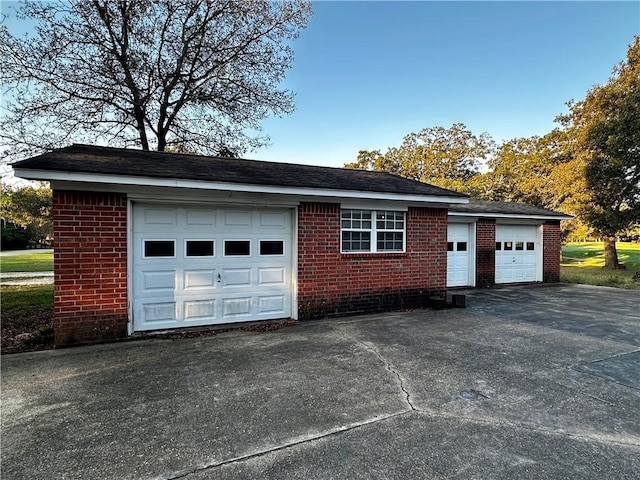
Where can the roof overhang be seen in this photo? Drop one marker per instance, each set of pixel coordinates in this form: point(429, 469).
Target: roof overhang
point(130, 181)
point(510, 216)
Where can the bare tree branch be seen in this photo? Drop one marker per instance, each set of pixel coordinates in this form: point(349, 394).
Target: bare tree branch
point(198, 74)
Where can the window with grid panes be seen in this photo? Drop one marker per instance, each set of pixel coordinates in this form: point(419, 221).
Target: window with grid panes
point(372, 231)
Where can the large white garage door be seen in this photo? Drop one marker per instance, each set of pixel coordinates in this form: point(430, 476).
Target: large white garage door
point(200, 266)
point(458, 255)
point(516, 253)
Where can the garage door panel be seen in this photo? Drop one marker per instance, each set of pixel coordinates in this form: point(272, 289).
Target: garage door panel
point(234, 307)
point(272, 220)
point(238, 219)
point(163, 280)
point(198, 284)
point(200, 218)
point(159, 312)
point(271, 276)
point(160, 216)
point(198, 279)
point(236, 277)
point(199, 309)
point(268, 304)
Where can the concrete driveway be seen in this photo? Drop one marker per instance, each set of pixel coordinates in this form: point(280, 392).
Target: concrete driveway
point(534, 382)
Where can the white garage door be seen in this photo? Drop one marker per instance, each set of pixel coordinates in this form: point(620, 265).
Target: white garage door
point(200, 266)
point(458, 255)
point(516, 253)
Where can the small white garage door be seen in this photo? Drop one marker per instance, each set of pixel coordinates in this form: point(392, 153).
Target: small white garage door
point(517, 251)
point(201, 266)
point(458, 255)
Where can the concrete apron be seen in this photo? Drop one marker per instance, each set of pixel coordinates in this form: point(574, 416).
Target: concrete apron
point(521, 384)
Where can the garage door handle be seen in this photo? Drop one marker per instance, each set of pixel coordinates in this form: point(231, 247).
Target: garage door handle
point(219, 280)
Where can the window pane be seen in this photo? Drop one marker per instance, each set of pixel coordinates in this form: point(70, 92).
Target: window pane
point(356, 241)
point(271, 247)
point(159, 248)
point(237, 248)
point(449, 246)
point(530, 246)
point(498, 245)
point(508, 245)
point(519, 245)
point(462, 246)
point(355, 219)
point(199, 248)
point(389, 241)
point(390, 220)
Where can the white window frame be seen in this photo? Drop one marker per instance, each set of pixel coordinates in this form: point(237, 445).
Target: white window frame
point(186, 240)
point(224, 247)
point(284, 247)
point(373, 230)
point(154, 257)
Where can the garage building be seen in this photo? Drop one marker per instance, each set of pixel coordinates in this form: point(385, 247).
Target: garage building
point(153, 240)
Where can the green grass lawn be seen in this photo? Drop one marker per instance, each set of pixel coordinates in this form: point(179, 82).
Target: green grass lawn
point(27, 317)
point(583, 262)
point(26, 297)
point(28, 262)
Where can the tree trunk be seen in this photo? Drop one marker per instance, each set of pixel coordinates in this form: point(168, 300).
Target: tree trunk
point(139, 114)
point(610, 253)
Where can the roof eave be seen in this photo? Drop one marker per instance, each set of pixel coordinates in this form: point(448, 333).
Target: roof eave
point(524, 216)
point(128, 180)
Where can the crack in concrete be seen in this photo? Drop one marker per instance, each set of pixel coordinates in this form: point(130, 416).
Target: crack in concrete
point(600, 438)
point(337, 431)
point(369, 347)
point(578, 368)
point(605, 439)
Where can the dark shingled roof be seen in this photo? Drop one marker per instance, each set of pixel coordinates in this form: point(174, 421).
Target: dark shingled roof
point(476, 207)
point(138, 163)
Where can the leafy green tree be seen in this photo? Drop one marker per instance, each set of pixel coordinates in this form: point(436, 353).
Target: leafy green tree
point(446, 157)
point(371, 160)
point(31, 209)
point(198, 74)
point(523, 171)
point(606, 128)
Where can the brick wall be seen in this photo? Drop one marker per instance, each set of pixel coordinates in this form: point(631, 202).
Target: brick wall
point(485, 252)
point(90, 266)
point(552, 244)
point(332, 284)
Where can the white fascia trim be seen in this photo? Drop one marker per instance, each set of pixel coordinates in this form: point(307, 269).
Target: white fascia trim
point(368, 205)
point(508, 215)
point(229, 187)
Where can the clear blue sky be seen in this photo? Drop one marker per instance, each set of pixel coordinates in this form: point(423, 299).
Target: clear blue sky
point(368, 73)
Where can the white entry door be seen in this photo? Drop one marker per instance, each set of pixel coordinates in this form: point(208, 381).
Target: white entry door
point(517, 253)
point(459, 255)
point(200, 266)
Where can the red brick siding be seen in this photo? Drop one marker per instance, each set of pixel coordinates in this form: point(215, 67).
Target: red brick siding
point(485, 252)
point(331, 283)
point(552, 244)
point(90, 266)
